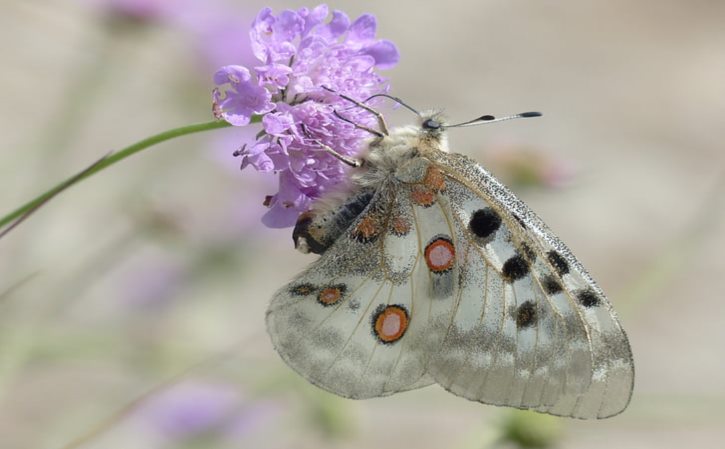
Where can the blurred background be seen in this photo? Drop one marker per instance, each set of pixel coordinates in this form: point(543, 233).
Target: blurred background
point(132, 306)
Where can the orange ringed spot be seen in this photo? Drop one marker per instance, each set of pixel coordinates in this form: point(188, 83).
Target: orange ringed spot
point(434, 179)
point(331, 295)
point(401, 226)
point(422, 195)
point(390, 323)
point(366, 230)
point(440, 255)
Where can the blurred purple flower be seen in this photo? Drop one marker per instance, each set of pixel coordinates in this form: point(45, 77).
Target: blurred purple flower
point(520, 165)
point(215, 29)
point(220, 37)
point(154, 282)
point(304, 55)
point(191, 408)
point(141, 11)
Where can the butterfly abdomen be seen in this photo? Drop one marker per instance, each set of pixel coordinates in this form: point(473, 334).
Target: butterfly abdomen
point(317, 229)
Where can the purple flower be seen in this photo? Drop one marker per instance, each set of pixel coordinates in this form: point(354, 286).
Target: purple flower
point(244, 98)
point(192, 408)
point(309, 57)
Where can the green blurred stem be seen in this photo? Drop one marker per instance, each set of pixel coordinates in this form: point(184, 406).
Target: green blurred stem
point(110, 160)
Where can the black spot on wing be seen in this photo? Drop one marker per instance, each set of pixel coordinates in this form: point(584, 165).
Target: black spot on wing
point(515, 268)
point(551, 284)
point(484, 222)
point(526, 315)
point(558, 262)
point(588, 298)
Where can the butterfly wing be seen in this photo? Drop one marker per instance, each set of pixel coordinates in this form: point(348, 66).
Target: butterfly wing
point(530, 328)
point(446, 276)
point(359, 321)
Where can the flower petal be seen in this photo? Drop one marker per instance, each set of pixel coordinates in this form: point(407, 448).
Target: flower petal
point(233, 74)
point(385, 53)
point(242, 99)
point(363, 28)
point(338, 25)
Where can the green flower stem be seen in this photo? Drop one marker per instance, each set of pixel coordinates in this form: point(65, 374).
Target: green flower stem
point(30, 206)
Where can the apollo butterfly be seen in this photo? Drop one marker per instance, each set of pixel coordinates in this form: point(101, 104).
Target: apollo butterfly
point(432, 271)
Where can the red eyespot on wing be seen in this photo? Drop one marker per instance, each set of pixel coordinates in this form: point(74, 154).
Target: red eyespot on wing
point(440, 255)
point(331, 295)
point(390, 323)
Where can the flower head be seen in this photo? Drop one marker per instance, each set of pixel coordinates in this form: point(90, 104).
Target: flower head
point(309, 57)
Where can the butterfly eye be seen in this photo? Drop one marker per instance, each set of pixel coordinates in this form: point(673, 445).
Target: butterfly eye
point(431, 124)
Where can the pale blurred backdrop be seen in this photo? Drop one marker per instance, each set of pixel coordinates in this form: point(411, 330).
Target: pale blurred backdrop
point(132, 306)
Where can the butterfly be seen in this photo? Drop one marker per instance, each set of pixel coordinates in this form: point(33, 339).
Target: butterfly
point(432, 271)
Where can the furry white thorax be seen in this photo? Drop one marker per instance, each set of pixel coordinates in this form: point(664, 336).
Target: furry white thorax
point(384, 155)
point(381, 158)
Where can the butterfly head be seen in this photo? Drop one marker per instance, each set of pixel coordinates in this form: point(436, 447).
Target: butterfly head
point(432, 123)
point(432, 128)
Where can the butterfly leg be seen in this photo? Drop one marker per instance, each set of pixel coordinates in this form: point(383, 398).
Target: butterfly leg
point(341, 157)
point(344, 159)
point(381, 120)
point(358, 126)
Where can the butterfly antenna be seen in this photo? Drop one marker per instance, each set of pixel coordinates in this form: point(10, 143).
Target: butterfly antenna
point(395, 99)
point(485, 119)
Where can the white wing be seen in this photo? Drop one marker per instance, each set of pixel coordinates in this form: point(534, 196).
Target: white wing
point(530, 328)
point(446, 276)
point(359, 322)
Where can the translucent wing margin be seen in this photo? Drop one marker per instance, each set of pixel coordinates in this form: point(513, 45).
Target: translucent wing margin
point(530, 328)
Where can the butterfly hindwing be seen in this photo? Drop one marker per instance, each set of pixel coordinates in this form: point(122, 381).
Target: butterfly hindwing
point(358, 321)
point(531, 329)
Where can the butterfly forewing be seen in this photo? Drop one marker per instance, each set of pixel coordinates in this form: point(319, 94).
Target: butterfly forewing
point(551, 341)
